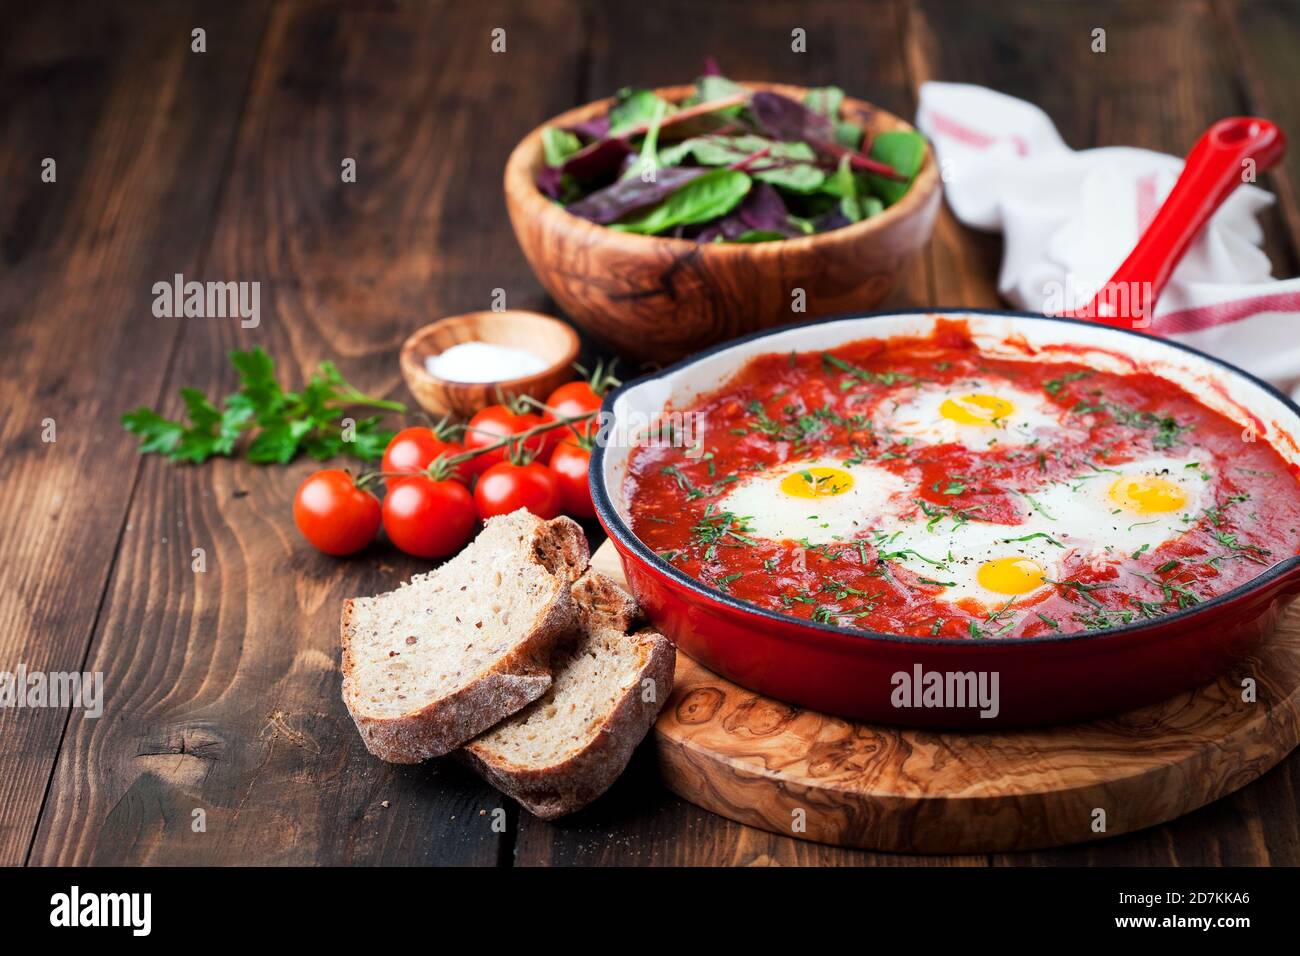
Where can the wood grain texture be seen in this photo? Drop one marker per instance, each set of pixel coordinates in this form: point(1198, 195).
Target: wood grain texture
point(1263, 39)
point(663, 298)
point(140, 129)
point(219, 692)
point(797, 772)
point(223, 687)
point(638, 822)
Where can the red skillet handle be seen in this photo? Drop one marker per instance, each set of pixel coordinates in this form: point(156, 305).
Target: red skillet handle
point(1214, 168)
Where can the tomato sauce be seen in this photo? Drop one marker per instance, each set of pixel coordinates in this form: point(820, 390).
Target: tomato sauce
point(845, 405)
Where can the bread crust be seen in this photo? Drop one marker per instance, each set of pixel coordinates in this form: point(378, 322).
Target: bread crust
point(557, 789)
point(441, 726)
point(512, 682)
point(561, 548)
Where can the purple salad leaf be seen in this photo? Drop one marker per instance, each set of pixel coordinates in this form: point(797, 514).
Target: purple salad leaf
point(591, 130)
point(785, 119)
point(831, 220)
point(711, 67)
point(763, 210)
point(549, 181)
point(600, 160)
point(615, 201)
point(724, 229)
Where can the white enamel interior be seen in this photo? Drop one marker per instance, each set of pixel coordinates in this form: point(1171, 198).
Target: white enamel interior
point(1232, 395)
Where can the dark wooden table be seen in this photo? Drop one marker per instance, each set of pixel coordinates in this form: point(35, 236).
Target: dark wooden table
point(222, 687)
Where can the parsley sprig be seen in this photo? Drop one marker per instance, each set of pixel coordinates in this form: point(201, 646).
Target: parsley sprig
point(287, 423)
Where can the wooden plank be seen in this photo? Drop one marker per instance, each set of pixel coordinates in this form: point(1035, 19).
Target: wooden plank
point(1264, 39)
point(223, 689)
point(639, 823)
point(225, 684)
point(660, 44)
point(1256, 826)
point(140, 128)
point(1166, 75)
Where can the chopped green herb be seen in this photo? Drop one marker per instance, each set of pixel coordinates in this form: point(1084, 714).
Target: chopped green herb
point(310, 420)
point(1053, 386)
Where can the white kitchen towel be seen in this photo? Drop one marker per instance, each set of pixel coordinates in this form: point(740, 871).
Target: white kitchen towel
point(1070, 218)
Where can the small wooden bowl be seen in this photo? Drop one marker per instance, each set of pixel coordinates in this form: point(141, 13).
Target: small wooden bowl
point(550, 339)
point(661, 299)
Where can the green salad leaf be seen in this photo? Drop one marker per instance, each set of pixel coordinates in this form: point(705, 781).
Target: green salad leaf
point(734, 164)
point(635, 108)
point(558, 145)
point(706, 197)
point(905, 151)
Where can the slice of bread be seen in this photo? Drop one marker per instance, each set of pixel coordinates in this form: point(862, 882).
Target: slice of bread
point(452, 652)
point(563, 751)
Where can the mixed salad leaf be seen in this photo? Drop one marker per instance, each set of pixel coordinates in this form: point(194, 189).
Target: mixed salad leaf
point(727, 164)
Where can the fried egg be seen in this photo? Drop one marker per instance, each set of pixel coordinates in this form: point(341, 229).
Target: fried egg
point(976, 413)
point(979, 565)
point(1121, 509)
point(1135, 505)
point(819, 501)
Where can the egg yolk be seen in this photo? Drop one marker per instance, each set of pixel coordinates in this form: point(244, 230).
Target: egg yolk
point(976, 409)
point(817, 483)
point(1010, 575)
point(1147, 494)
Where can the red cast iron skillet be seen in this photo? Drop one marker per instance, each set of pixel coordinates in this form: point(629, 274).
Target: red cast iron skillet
point(1040, 680)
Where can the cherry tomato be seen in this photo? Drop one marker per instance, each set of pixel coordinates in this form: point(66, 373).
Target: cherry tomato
point(412, 450)
point(427, 518)
point(570, 401)
point(334, 514)
point(507, 487)
point(570, 462)
point(494, 423)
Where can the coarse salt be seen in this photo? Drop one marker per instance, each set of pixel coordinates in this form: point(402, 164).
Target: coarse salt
point(483, 362)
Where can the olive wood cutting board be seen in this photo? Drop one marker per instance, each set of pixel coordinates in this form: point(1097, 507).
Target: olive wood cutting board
point(797, 772)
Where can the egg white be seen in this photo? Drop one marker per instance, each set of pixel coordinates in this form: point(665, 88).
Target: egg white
point(1084, 504)
point(925, 417)
point(772, 514)
point(950, 553)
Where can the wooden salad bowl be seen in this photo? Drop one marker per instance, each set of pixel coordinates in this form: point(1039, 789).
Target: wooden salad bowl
point(660, 299)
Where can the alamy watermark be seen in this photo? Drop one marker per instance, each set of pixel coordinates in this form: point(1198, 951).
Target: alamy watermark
point(23, 689)
point(76, 909)
point(946, 690)
point(1132, 300)
point(662, 429)
point(208, 300)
